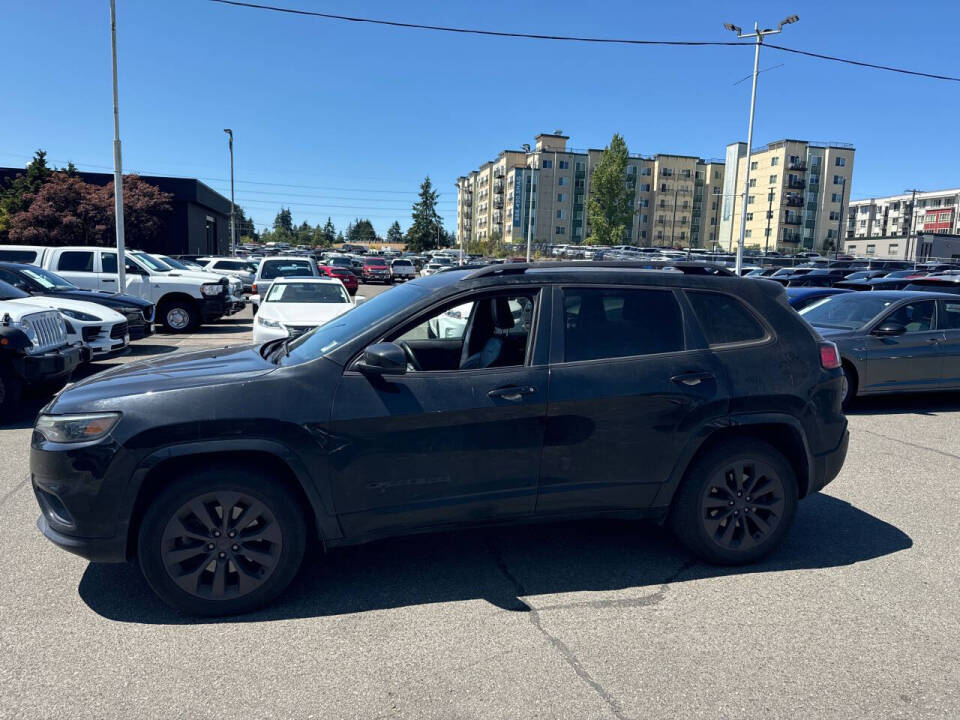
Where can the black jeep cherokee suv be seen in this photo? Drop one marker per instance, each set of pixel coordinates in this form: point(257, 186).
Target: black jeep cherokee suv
point(511, 392)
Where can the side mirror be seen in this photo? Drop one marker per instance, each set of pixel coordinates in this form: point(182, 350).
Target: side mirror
point(359, 299)
point(890, 329)
point(384, 358)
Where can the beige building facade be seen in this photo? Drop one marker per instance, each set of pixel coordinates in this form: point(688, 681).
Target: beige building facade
point(798, 195)
point(542, 192)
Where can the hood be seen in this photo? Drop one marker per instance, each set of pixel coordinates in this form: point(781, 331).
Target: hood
point(837, 333)
point(216, 366)
point(20, 307)
point(111, 300)
point(208, 277)
point(303, 313)
point(62, 303)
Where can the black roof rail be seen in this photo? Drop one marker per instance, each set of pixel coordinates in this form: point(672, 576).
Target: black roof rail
point(688, 268)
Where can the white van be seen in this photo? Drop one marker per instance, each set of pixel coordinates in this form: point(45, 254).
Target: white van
point(183, 299)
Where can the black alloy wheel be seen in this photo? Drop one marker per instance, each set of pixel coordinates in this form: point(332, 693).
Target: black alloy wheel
point(736, 502)
point(221, 541)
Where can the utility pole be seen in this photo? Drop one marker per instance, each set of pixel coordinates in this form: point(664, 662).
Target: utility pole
point(530, 214)
point(766, 245)
point(843, 186)
point(759, 35)
point(673, 224)
point(233, 221)
point(117, 159)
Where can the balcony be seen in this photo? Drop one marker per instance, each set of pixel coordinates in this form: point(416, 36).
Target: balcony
point(793, 201)
point(799, 166)
point(796, 184)
point(792, 219)
point(498, 186)
point(498, 202)
point(791, 236)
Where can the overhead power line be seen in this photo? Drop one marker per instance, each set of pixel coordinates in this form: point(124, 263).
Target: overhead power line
point(573, 38)
point(474, 31)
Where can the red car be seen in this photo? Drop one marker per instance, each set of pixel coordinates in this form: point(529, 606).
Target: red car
point(375, 269)
point(345, 276)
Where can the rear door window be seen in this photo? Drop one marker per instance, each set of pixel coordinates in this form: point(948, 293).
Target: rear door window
point(75, 261)
point(620, 322)
point(724, 319)
point(18, 256)
point(950, 317)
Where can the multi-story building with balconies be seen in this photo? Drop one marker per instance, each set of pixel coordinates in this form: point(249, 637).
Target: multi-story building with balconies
point(797, 196)
point(542, 193)
point(905, 215)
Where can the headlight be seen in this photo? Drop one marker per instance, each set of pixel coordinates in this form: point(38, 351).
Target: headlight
point(76, 428)
point(77, 315)
point(267, 322)
point(212, 289)
point(28, 329)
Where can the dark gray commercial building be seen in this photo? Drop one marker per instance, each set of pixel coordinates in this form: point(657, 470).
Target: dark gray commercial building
point(198, 225)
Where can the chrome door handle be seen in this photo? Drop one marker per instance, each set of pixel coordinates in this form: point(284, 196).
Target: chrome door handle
point(511, 393)
point(691, 379)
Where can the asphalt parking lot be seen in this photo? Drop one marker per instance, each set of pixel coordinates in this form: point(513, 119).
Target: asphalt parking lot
point(857, 615)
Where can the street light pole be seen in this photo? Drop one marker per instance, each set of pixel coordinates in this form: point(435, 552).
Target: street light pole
point(530, 214)
point(233, 221)
point(759, 35)
point(843, 187)
point(117, 159)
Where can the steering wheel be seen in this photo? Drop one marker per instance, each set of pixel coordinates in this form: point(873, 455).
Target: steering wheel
point(411, 358)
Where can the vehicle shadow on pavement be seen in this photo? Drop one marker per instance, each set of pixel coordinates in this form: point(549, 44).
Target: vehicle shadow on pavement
point(916, 403)
point(510, 566)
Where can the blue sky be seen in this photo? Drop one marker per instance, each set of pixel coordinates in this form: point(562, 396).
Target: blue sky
point(345, 119)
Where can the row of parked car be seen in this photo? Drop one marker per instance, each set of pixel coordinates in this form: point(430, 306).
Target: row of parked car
point(60, 308)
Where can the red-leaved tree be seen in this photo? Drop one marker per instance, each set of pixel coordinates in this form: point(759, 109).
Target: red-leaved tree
point(68, 211)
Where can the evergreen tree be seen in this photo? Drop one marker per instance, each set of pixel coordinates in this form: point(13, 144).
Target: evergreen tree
point(394, 233)
point(427, 231)
point(609, 211)
point(361, 232)
point(328, 234)
point(18, 193)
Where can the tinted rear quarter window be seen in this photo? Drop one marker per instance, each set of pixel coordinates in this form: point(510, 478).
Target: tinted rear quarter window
point(724, 319)
point(620, 322)
point(19, 256)
point(76, 261)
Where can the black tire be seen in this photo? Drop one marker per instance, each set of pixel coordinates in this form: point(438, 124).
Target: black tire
point(178, 316)
point(850, 384)
point(244, 571)
point(11, 388)
point(720, 517)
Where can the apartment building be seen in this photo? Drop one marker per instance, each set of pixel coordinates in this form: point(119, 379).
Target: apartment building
point(797, 197)
point(905, 215)
point(542, 192)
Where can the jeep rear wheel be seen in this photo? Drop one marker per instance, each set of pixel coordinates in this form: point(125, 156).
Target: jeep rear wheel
point(736, 502)
point(221, 542)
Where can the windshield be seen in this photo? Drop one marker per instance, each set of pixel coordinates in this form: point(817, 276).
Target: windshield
point(402, 264)
point(307, 292)
point(375, 262)
point(344, 328)
point(176, 264)
point(151, 262)
point(286, 268)
point(846, 311)
point(9, 292)
point(47, 279)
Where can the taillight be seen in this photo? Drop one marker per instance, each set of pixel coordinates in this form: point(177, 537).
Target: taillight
point(254, 290)
point(829, 356)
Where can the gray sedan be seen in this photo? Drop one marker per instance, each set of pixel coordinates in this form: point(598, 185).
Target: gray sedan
point(892, 341)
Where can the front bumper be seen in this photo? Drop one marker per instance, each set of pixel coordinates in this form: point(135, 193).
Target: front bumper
point(218, 306)
point(105, 550)
point(50, 365)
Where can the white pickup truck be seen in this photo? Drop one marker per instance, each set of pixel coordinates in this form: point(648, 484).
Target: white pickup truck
point(183, 299)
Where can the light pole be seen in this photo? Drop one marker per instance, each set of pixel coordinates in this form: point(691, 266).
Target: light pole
point(233, 221)
point(759, 35)
point(530, 213)
point(117, 159)
point(843, 187)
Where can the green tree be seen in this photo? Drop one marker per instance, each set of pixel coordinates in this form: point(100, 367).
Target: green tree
point(361, 232)
point(340, 239)
point(608, 210)
point(427, 231)
point(328, 234)
point(283, 222)
point(17, 193)
point(394, 233)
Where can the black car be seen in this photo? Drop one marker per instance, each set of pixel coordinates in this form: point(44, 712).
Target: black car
point(892, 341)
point(507, 393)
point(818, 277)
point(37, 281)
point(884, 283)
